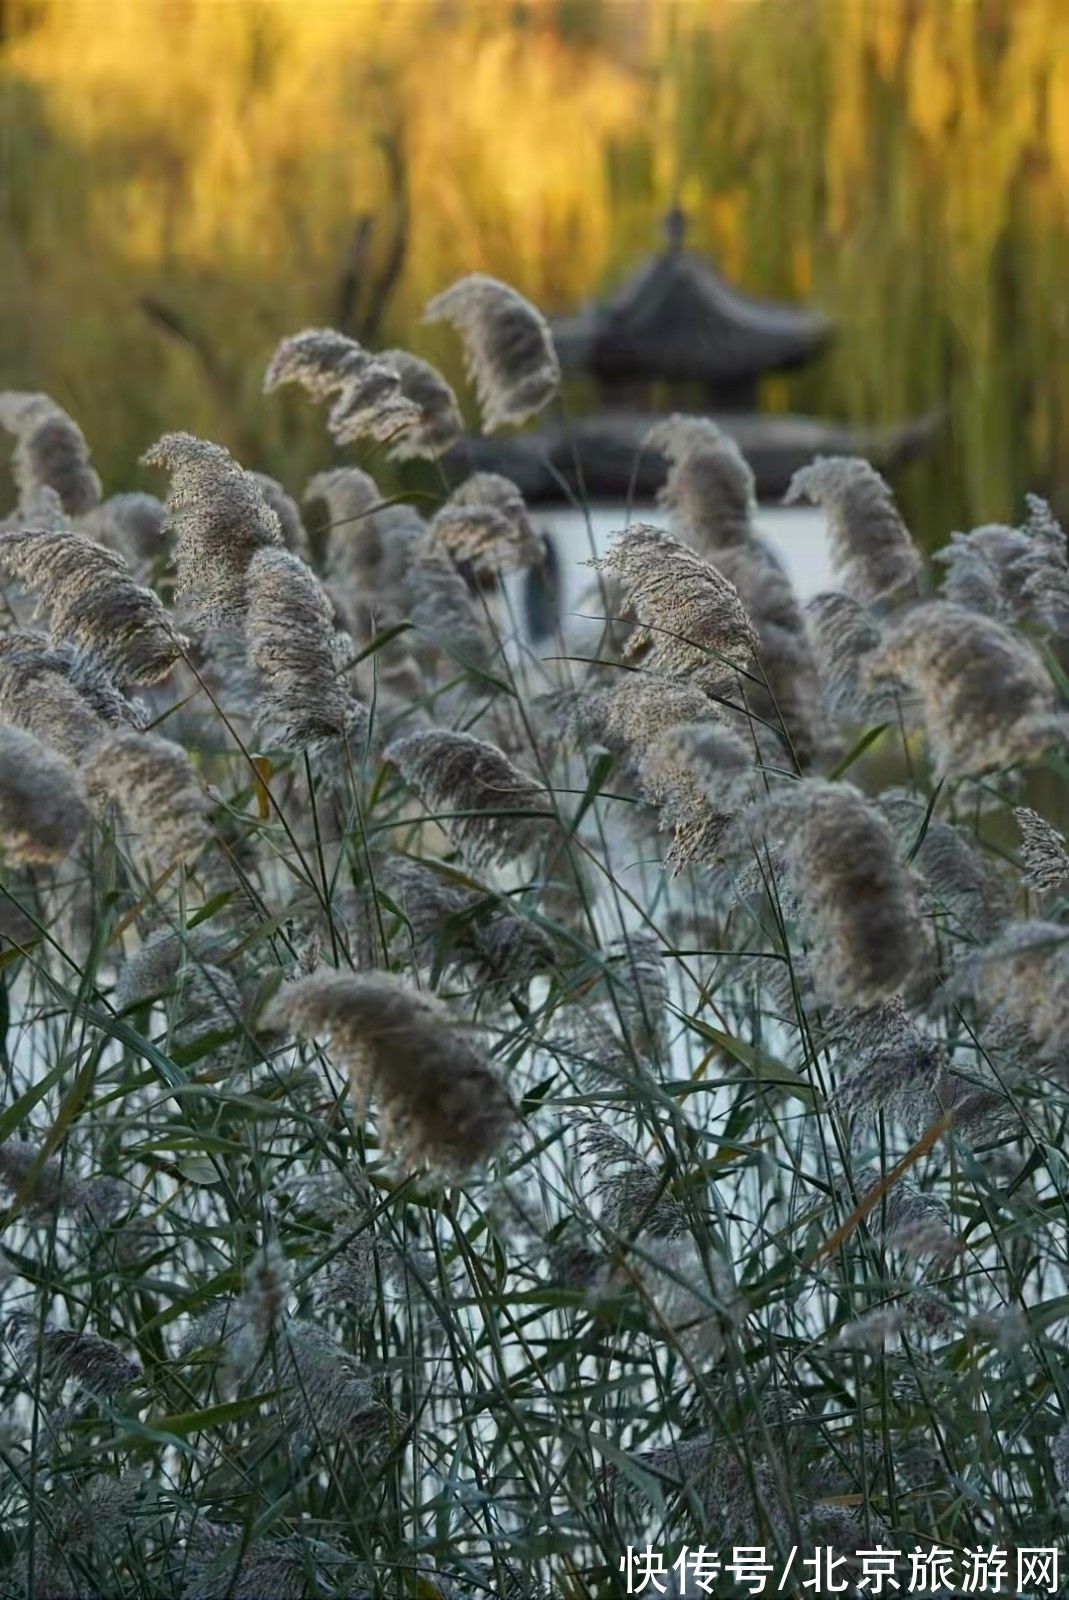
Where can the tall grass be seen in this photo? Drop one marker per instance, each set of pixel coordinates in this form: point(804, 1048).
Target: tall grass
point(466, 1113)
point(184, 179)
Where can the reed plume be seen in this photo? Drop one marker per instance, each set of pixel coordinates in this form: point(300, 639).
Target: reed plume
point(131, 524)
point(485, 522)
point(367, 396)
point(440, 1104)
point(870, 544)
point(455, 923)
point(689, 617)
point(710, 486)
point(439, 604)
point(845, 634)
point(633, 1196)
point(50, 451)
point(1012, 574)
point(96, 1365)
point(956, 873)
point(988, 700)
point(58, 695)
point(42, 805)
point(203, 997)
point(1022, 980)
point(219, 518)
point(1043, 852)
point(286, 509)
point(47, 1188)
point(156, 789)
point(93, 604)
point(490, 809)
point(508, 347)
point(887, 1065)
point(440, 423)
point(858, 903)
point(293, 644)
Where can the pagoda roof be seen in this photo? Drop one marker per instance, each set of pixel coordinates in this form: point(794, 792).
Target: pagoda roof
point(677, 319)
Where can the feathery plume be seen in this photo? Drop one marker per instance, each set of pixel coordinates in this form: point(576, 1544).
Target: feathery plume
point(50, 451)
point(490, 809)
point(219, 517)
point(93, 603)
point(908, 1218)
point(1013, 574)
point(1022, 977)
point(957, 874)
point(42, 807)
point(696, 773)
point(636, 973)
point(689, 617)
point(485, 522)
point(508, 347)
point(260, 1314)
point(845, 634)
point(858, 903)
point(49, 1188)
point(870, 544)
point(59, 695)
point(368, 402)
point(632, 1195)
point(292, 642)
point(348, 494)
point(710, 487)
point(440, 606)
point(439, 1101)
point(887, 1065)
point(94, 1364)
point(203, 998)
point(154, 785)
point(440, 423)
point(458, 924)
point(286, 510)
point(131, 524)
point(988, 699)
point(1043, 852)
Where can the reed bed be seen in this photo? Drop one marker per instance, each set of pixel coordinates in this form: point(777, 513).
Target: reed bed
point(469, 1111)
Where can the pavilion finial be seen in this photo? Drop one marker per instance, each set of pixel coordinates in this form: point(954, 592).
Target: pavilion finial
point(675, 226)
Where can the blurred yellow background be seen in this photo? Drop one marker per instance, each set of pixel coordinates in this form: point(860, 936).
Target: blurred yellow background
point(183, 180)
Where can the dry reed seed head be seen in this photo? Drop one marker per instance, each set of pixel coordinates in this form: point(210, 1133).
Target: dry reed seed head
point(440, 423)
point(485, 522)
point(293, 644)
point(328, 1394)
point(696, 774)
point(1059, 1455)
point(42, 804)
point(221, 1566)
point(203, 999)
point(489, 808)
point(907, 1218)
point(460, 925)
point(440, 605)
point(440, 1103)
point(157, 791)
point(93, 603)
point(219, 518)
point(508, 348)
point(1043, 853)
point(988, 700)
point(49, 1188)
point(638, 985)
point(633, 1197)
point(346, 496)
point(50, 451)
point(65, 1355)
point(710, 487)
point(887, 1067)
point(260, 1314)
point(53, 694)
point(958, 876)
point(979, 571)
point(1024, 976)
point(286, 509)
point(131, 524)
point(858, 904)
point(870, 545)
point(689, 616)
point(368, 402)
point(1043, 569)
point(845, 634)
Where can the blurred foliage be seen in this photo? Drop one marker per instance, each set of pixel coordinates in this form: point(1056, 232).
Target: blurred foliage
point(183, 179)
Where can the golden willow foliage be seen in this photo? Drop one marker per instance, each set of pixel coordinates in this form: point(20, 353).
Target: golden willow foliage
point(907, 166)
